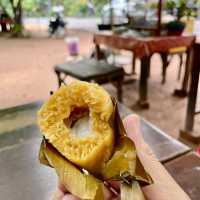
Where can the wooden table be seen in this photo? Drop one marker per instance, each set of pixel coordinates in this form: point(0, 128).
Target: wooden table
point(144, 48)
point(187, 132)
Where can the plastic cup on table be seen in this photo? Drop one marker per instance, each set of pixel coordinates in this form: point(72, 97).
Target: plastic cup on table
point(72, 45)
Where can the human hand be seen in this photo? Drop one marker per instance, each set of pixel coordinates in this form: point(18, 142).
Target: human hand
point(164, 186)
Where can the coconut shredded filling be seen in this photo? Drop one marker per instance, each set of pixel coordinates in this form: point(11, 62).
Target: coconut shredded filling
point(82, 127)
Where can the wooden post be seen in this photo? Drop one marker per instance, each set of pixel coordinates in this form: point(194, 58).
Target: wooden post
point(192, 98)
point(111, 15)
point(158, 32)
point(143, 84)
point(184, 89)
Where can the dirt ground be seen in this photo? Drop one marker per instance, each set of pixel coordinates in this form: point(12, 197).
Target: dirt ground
point(26, 74)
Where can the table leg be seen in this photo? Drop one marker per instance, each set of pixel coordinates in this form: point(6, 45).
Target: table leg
point(133, 63)
point(143, 83)
point(98, 54)
point(180, 66)
point(192, 97)
point(59, 78)
point(119, 90)
point(183, 91)
point(131, 77)
point(164, 67)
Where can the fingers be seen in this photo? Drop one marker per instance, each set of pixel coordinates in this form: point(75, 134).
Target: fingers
point(62, 193)
point(115, 185)
point(70, 197)
point(132, 126)
point(108, 194)
point(62, 188)
point(133, 129)
point(164, 186)
point(58, 195)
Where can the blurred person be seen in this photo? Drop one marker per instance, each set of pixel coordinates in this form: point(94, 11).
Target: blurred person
point(57, 25)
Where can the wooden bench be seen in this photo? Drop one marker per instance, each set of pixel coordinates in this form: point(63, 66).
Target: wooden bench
point(92, 70)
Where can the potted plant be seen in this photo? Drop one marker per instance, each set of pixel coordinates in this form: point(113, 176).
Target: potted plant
point(179, 9)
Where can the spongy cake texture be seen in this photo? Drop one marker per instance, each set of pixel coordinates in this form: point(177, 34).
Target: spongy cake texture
point(64, 108)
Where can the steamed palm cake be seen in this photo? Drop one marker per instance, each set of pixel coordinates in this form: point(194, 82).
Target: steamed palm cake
point(75, 120)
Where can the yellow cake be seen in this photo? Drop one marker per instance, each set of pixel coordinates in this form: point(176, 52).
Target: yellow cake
point(76, 121)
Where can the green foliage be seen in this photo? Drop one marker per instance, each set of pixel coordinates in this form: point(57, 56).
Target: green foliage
point(170, 5)
point(30, 5)
point(14, 10)
point(79, 7)
point(99, 4)
point(17, 29)
point(37, 7)
point(73, 7)
point(7, 7)
point(180, 7)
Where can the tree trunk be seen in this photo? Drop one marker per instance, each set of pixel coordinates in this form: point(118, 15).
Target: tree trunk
point(18, 26)
point(18, 13)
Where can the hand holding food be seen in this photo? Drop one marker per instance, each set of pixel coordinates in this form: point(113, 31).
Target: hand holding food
point(86, 143)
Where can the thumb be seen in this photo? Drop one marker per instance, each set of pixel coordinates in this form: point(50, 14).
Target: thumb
point(132, 126)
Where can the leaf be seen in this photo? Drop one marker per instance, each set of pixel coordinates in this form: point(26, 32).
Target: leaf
point(131, 192)
point(79, 183)
point(124, 161)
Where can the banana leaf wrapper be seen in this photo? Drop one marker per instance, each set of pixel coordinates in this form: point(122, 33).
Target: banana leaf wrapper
point(124, 166)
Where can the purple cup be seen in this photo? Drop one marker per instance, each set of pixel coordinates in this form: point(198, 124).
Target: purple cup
point(72, 45)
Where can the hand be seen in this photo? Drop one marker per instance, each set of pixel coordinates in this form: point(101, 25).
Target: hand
point(164, 187)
